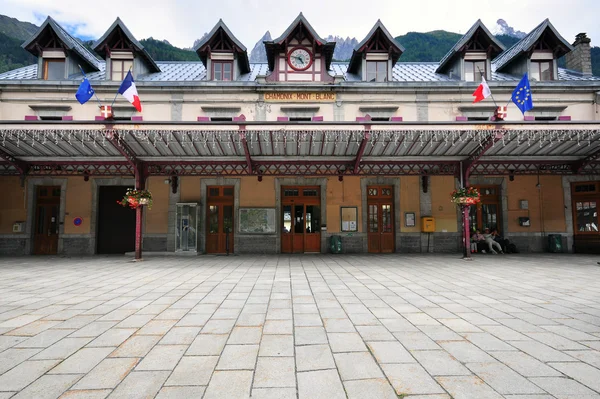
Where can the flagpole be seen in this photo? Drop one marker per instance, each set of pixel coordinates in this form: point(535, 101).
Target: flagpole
point(491, 95)
point(85, 77)
point(115, 99)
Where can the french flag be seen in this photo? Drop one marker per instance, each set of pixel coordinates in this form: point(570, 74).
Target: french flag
point(129, 91)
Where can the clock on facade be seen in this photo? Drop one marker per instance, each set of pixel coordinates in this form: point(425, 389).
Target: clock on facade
point(300, 58)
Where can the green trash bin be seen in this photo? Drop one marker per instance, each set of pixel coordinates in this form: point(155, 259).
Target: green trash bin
point(554, 243)
point(335, 244)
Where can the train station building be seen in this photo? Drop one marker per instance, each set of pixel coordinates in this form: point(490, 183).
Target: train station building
point(278, 157)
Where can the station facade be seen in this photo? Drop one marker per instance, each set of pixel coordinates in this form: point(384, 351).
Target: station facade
point(280, 156)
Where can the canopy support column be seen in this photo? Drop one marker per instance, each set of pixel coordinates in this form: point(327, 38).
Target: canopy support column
point(141, 172)
point(361, 149)
point(465, 173)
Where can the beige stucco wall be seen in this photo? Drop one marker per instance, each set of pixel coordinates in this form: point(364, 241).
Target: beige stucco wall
point(409, 202)
point(78, 204)
point(12, 203)
point(339, 194)
point(186, 104)
point(442, 209)
point(157, 218)
point(546, 204)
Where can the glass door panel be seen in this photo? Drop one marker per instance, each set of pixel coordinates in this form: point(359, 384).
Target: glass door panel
point(373, 219)
point(227, 219)
point(489, 215)
point(299, 219)
point(587, 216)
point(313, 213)
point(287, 219)
point(213, 219)
point(298, 236)
point(386, 214)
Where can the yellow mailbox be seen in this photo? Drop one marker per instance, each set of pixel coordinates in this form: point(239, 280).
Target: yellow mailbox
point(427, 224)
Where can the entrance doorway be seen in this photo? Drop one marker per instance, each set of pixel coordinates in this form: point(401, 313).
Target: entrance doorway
point(116, 224)
point(301, 219)
point(487, 213)
point(585, 198)
point(219, 217)
point(46, 220)
point(380, 217)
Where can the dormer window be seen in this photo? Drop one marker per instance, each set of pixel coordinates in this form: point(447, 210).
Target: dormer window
point(58, 52)
point(471, 56)
point(54, 68)
point(475, 64)
point(223, 55)
point(377, 71)
point(222, 70)
point(536, 53)
point(375, 56)
point(542, 66)
point(120, 48)
point(120, 63)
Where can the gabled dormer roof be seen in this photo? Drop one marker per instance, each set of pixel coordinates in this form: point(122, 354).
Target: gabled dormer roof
point(272, 46)
point(395, 48)
point(203, 49)
point(69, 42)
point(526, 45)
point(118, 28)
point(474, 33)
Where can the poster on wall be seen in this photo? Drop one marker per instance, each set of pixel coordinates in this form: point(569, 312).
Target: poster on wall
point(349, 217)
point(257, 220)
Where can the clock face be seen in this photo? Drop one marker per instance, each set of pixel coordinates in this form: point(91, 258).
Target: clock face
point(300, 58)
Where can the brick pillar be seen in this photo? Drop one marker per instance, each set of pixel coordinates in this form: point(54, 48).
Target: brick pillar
point(580, 59)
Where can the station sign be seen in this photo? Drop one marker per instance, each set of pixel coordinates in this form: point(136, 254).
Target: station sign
point(313, 97)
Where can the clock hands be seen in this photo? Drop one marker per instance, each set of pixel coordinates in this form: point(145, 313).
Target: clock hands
point(300, 58)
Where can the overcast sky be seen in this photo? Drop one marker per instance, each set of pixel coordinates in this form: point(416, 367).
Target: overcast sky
point(182, 21)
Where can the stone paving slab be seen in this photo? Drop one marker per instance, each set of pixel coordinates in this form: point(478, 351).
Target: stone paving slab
point(361, 326)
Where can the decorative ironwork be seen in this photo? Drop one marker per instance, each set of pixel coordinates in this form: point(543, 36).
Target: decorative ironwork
point(329, 144)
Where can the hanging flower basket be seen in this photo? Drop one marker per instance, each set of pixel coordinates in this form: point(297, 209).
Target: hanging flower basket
point(134, 198)
point(466, 196)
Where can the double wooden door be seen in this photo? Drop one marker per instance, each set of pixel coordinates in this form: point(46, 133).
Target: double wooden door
point(46, 220)
point(301, 220)
point(380, 217)
point(219, 217)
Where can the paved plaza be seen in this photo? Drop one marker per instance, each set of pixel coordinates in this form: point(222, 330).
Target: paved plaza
point(312, 326)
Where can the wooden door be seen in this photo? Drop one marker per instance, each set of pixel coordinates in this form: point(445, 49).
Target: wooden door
point(380, 219)
point(219, 220)
point(46, 220)
point(586, 223)
point(301, 220)
point(487, 213)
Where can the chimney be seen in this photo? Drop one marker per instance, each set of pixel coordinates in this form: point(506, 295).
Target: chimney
point(580, 59)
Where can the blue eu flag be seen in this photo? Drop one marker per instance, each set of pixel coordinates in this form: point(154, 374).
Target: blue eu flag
point(521, 96)
point(85, 92)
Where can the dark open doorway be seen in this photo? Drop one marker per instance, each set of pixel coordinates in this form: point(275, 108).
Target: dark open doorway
point(116, 224)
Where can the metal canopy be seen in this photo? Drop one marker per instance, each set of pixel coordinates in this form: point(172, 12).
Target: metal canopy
point(335, 149)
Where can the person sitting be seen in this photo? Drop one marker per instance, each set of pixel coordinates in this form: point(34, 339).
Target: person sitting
point(476, 241)
point(489, 240)
point(504, 242)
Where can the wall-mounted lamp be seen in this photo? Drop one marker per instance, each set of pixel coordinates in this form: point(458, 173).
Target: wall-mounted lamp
point(425, 183)
point(174, 184)
point(259, 178)
point(511, 175)
point(86, 176)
